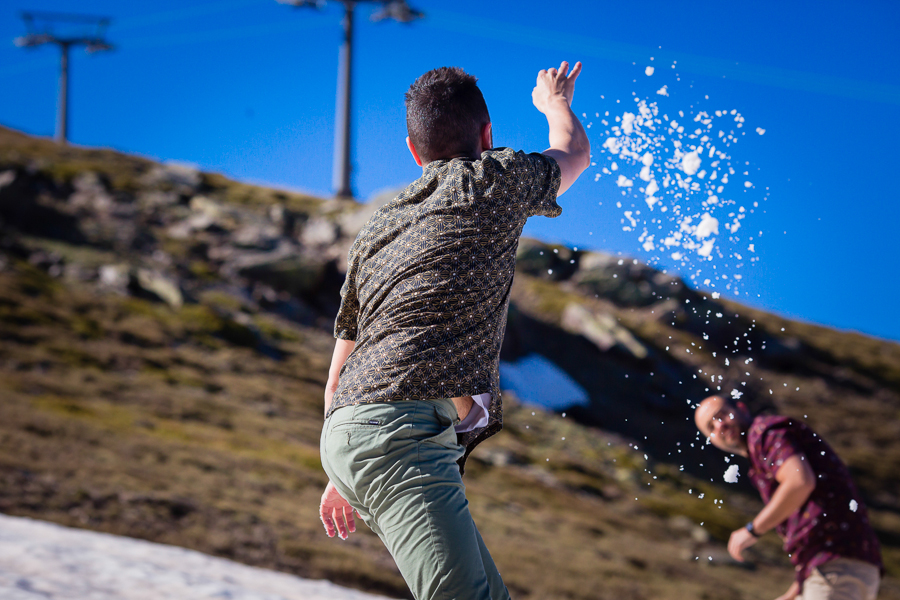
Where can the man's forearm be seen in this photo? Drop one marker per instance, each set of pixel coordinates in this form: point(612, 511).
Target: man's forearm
point(566, 131)
point(569, 144)
point(796, 481)
point(342, 349)
point(786, 500)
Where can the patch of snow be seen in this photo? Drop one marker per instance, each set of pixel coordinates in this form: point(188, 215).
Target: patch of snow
point(42, 560)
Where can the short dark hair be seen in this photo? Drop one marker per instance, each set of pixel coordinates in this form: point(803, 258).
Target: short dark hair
point(445, 112)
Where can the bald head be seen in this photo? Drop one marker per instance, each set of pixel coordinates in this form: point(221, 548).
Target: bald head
point(724, 422)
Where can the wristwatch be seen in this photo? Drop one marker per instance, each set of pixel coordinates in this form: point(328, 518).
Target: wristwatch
point(749, 527)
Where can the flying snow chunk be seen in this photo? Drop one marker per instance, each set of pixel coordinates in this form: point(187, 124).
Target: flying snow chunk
point(736, 393)
point(690, 162)
point(613, 145)
point(649, 71)
point(623, 181)
point(627, 123)
point(731, 474)
point(652, 187)
point(677, 256)
point(663, 91)
point(706, 249)
point(647, 159)
point(715, 295)
point(708, 226)
point(853, 505)
point(760, 130)
point(748, 184)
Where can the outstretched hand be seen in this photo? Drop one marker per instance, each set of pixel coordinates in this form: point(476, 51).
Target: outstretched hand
point(334, 511)
point(740, 540)
point(555, 84)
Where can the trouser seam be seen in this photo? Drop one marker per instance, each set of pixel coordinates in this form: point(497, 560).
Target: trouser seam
point(431, 535)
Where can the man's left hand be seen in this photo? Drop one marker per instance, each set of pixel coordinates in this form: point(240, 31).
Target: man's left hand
point(740, 540)
point(336, 513)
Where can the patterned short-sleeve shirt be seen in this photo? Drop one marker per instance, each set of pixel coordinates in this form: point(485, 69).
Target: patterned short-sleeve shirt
point(428, 282)
point(834, 522)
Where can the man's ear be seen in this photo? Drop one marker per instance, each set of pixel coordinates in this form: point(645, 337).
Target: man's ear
point(487, 136)
point(412, 150)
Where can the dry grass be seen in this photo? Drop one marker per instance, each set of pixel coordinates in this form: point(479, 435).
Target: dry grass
point(125, 416)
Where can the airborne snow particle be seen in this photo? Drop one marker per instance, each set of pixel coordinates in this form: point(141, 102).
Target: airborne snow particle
point(736, 394)
point(708, 226)
point(648, 71)
point(623, 181)
point(628, 123)
point(748, 184)
point(663, 91)
point(731, 474)
point(853, 505)
point(690, 162)
point(760, 130)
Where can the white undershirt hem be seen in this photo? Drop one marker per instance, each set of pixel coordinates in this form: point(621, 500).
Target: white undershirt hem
point(478, 414)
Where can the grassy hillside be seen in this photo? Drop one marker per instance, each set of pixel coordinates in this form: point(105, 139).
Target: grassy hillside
point(190, 413)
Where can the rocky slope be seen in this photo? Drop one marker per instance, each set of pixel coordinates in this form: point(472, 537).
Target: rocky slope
point(164, 341)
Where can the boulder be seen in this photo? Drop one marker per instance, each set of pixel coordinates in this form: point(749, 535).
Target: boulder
point(155, 286)
point(90, 193)
point(180, 178)
point(551, 262)
point(285, 269)
point(626, 281)
point(319, 232)
point(602, 330)
point(114, 277)
point(257, 236)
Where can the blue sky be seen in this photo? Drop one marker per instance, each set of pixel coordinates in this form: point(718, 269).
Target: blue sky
point(247, 88)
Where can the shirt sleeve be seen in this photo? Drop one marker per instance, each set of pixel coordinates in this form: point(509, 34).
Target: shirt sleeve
point(347, 321)
point(538, 179)
point(778, 444)
point(530, 180)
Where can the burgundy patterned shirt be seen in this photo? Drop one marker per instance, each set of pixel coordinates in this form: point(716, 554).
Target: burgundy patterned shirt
point(834, 522)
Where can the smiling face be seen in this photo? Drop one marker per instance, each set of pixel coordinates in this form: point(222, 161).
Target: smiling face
point(724, 424)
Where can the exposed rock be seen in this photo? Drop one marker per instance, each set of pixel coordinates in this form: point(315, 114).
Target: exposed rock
point(257, 236)
point(353, 221)
point(6, 178)
point(181, 178)
point(90, 193)
point(286, 268)
point(625, 281)
point(150, 284)
point(114, 277)
point(551, 262)
point(319, 232)
point(601, 329)
point(150, 199)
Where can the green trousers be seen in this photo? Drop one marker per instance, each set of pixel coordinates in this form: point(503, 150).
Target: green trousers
point(395, 463)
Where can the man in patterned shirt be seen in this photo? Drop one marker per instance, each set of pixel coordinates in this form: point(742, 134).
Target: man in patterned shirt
point(810, 500)
point(414, 379)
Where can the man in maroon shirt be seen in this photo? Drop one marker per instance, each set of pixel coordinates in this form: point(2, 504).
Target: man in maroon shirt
point(810, 500)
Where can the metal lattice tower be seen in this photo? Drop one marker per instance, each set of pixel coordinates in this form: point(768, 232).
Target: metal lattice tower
point(75, 30)
point(398, 10)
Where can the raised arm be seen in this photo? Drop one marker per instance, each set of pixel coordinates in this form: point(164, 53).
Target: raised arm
point(796, 481)
point(569, 144)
